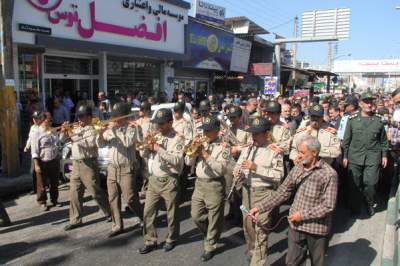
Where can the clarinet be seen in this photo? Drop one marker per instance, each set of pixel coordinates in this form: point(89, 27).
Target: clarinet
point(239, 177)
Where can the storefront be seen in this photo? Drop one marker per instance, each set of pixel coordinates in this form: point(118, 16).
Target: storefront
point(82, 47)
point(209, 54)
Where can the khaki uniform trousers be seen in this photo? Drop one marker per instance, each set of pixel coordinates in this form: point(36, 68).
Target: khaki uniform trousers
point(256, 238)
point(85, 175)
point(208, 210)
point(122, 181)
point(161, 188)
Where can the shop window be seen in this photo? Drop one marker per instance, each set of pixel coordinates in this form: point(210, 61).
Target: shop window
point(129, 76)
point(70, 66)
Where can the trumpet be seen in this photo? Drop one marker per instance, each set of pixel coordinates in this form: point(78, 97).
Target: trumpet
point(192, 148)
point(149, 140)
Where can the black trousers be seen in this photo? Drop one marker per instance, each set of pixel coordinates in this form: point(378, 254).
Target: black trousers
point(300, 243)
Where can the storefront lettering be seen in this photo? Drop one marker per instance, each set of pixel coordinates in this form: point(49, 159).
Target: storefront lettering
point(146, 6)
point(72, 18)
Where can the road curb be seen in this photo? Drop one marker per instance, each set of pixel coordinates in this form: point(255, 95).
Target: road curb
point(390, 249)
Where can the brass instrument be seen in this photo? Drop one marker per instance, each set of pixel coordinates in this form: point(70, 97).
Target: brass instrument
point(229, 136)
point(192, 148)
point(149, 140)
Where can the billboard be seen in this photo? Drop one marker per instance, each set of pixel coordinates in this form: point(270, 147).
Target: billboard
point(152, 24)
point(209, 12)
point(330, 23)
point(270, 85)
point(367, 66)
point(240, 55)
point(209, 47)
point(261, 69)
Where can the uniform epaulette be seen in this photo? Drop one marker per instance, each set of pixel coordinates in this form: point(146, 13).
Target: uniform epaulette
point(353, 115)
point(330, 130)
point(307, 117)
point(301, 130)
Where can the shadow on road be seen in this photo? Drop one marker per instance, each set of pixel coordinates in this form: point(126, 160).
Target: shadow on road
point(361, 253)
point(54, 261)
point(50, 217)
point(15, 250)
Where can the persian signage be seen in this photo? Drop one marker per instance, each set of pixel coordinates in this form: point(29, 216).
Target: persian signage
point(151, 24)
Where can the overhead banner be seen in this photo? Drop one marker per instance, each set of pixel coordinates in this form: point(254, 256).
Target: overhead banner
point(209, 47)
point(366, 66)
point(270, 85)
point(240, 55)
point(261, 69)
point(209, 12)
point(151, 24)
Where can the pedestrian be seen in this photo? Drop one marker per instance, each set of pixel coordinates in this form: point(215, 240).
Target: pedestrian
point(211, 160)
point(365, 147)
point(314, 184)
point(121, 138)
point(36, 116)
point(261, 168)
point(45, 155)
point(163, 182)
point(4, 218)
point(60, 113)
point(85, 170)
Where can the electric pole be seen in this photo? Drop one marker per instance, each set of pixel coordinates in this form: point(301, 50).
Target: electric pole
point(294, 48)
point(8, 116)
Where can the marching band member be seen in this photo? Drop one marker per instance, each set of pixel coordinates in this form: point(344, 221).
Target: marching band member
point(208, 196)
point(330, 143)
point(85, 171)
point(163, 182)
point(121, 137)
point(261, 167)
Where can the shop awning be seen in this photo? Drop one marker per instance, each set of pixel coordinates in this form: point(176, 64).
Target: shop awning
point(310, 72)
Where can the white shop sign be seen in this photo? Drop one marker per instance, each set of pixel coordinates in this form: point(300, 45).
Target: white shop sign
point(240, 55)
point(209, 12)
point(150, 24)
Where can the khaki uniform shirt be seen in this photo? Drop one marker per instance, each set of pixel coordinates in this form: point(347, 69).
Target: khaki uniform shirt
point(197, 131)
point(330, 144)
point(184, 129)
point(44, 145)
point(281, 136)
point(269, 163)
point(215, 167)
point(242, 136)
point(84, 144)
point(168, 161)
point(121, 142)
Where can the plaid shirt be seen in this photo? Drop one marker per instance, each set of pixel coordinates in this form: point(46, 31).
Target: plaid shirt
point(315, 199)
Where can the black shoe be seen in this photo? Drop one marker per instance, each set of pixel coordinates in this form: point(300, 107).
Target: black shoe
point(370, 210)
point(168, 246)
point(114, 233)
point(4, 223)
point(147, 249)
point(57, 204)
point(207, 256)
point(70, 227)
point(109, 219)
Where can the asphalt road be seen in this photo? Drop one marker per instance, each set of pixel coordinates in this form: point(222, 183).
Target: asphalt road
point(38, 238)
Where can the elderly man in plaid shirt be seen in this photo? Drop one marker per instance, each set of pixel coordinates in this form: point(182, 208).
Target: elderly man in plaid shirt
point(315, 184)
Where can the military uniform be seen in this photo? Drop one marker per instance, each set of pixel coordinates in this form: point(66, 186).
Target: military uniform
point(85, 171)
point(281, 136)
point(330, 143)
point(145, 127)
point(121, 179)
point(164, 183)
point(208, 196)
point(259, 184)
point(365, 144)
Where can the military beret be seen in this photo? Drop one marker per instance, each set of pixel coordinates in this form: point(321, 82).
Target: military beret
point(163, 116)
point(204, 106)
point(120, 109)
point(145, 106)
point(84, 110)
point(351, 100)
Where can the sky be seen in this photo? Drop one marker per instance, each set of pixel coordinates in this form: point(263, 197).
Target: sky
point(374, 25)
